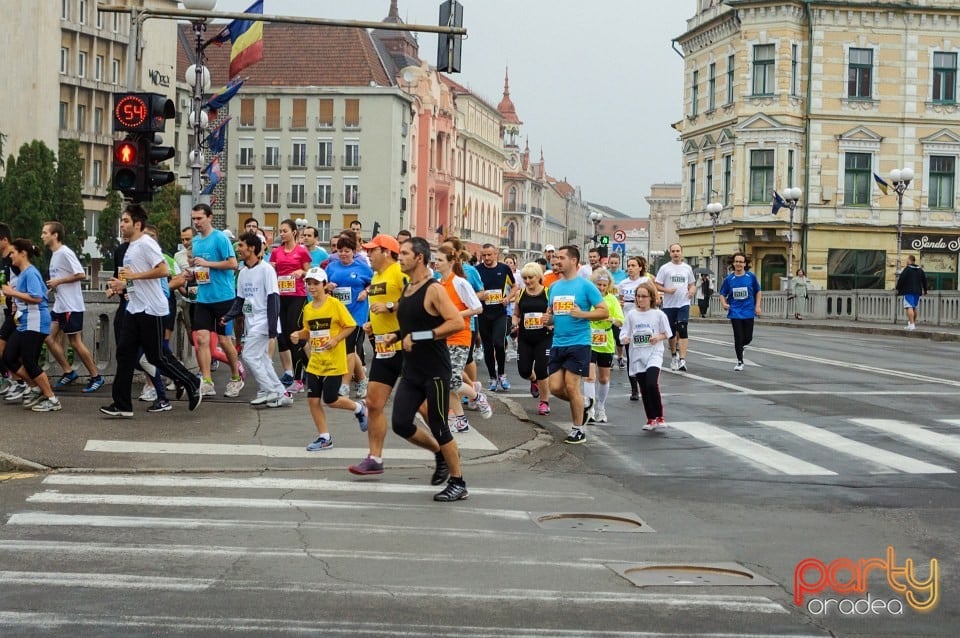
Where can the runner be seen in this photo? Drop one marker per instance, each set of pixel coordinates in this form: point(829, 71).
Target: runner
point(533, 335)
point(499, 289)
point(291, 261)
point(7, 276)
point(597, 385)
point(675, 279)
point(427, 317)
point(645, 329)
point(574, 303)
point(740, 296)
point(327, 324)
point(348, 281)
point(636, 275)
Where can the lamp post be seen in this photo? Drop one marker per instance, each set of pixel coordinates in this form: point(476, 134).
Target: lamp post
point(713, 209)
point(791, 196)
point(198, 78)
point(900, 179)
point(595, 218)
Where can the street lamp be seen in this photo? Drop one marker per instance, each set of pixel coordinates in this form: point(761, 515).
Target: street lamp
point(713, 209)
point(900, 178)
point(791, 196)
point(198, 78)
point(595, 217)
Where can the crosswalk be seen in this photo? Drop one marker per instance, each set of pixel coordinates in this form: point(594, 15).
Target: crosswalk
point(173, 554)
point(842, 447)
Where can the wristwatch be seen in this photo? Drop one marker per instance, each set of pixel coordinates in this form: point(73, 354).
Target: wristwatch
point(391, 306)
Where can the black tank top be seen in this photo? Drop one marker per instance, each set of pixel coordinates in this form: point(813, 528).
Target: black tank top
point(427, 359)
point(535, 304)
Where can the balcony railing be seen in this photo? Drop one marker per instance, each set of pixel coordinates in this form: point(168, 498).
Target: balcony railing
point(269, 199)
point(297, 125)
point(324, 201)
point(297, 162)
point(350, 201)
point(325, 163)
point(269, 161)
point(326, 125)
point(296, 200)
point(352, 125)
point(350, 162)
point(248, 162)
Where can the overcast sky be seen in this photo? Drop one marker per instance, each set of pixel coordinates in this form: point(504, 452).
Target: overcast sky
point(595, 83)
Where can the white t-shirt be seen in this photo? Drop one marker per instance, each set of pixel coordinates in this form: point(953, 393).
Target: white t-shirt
point(64, 263)
point(627, 289)
point(146, 295)
point(254, 285)
point(639, 327)
point(678, 276)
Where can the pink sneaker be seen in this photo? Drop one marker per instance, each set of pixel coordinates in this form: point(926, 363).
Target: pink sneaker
point(544, 408)
point(296, 387)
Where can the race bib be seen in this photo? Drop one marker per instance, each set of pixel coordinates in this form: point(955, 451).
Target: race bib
point(598, 337)
point(384, 350)
point(563, 304)
point(493, 297)
point(248, 308)
point(741, 293)
point(202, 274)
point(344, 294)
point(678, 279)
point(318, 339)
point(533, 321)
point(641, 337)
point(131, 288)
point(287, 284)
point(629, 294)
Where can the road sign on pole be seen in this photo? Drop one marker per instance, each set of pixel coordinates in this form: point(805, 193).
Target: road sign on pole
point(619, 248)
point(619, 237)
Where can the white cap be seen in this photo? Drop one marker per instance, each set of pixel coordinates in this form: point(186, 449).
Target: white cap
point(229, 234)
point(317, 274)
point(549, 248)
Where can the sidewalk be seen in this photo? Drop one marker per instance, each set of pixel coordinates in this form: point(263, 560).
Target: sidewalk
point(923, 331)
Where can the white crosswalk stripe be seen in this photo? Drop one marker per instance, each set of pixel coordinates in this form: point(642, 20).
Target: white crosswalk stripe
point(942, 443)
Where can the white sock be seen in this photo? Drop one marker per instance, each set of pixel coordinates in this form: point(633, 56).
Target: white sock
point(359, 408)
point(589, 390)
point(602, 390)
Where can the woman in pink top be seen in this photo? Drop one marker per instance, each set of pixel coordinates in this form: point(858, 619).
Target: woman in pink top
point(291, 261)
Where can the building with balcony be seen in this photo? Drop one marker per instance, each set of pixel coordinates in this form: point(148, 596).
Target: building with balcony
point(822, 95)
point(70, 59)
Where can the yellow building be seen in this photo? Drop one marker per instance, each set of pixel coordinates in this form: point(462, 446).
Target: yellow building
point(822, 96)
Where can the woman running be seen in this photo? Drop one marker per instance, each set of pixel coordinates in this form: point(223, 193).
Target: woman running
point(291, 261)
point(533, 335)
point(636, 275)
point(597, 385)
point(644, 330)
point(348, 282)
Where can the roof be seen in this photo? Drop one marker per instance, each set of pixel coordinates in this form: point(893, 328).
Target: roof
point(296, 55)
point(610, 212)
point(506, 107)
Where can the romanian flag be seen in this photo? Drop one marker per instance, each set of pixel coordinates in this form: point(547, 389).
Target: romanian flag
point(882, 183)
point(246, 37)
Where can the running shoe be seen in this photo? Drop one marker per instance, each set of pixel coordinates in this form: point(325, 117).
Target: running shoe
point(675, 362)
point(441, 472)
point(682, 366)
point(194, 398)
point(362, 389)
point(621, 363)
point(160, 405)
point(297, 387)
point(660, 424)
point(32, 398)
point(576, 437)
point(472, 405)
point(261, 398)
point(738, 367)
point(634, 397)
point(601, 415)
point(65, 380)
point(233, 388)
point(280, 401)
point(113, 410)
point(534, 389)
point(94, 384)
point(484, 406)
point(651, 424)
point(16, 392)
point(456, 490)
point(149, 393)
point(320, 443)
point(207, 389)
point(362, 416)
point(460, 424)
point(51, 404)
point(493, 385)
point(589, 413)
point(543, 409)
point(286, 379)
point(504, 382)
point(366, 467)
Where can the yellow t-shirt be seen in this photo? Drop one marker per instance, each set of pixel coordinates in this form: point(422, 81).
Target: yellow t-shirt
point(325, 323)
point(384, 287)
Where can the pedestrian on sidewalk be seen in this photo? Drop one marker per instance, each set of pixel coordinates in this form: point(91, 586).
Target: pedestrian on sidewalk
point(328, 325)
point(740, 295)
point(800, 293)
point(912, 284)
point(258, 300)
point(704, 293)
point(597, 385)
point(427, 317)
point(534, 336)
point(645, 328)
point(574, 303)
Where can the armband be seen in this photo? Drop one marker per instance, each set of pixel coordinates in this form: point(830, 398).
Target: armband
point(422, 335)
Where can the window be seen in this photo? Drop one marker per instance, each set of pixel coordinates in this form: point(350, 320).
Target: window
point(324, 192)
point(351, 117)
point(764, 64)
point(116, 22)
point(692, 168)
point(98, 68)
point(64, 60)
point(860, 73)
point(942, 171)
point(790, 174)
point(99, 19)
point(271, 157)
point(273, 114)
point(98, 120)
point(694, 92)
point(857, 179)
point(351, 193)
point(64, 9)
point(299, 156)
point(849, 269)
point(81, 117)
point(271, 192)
point(245, 195)
point(761, 176)
point(351, 154)
point(298, 193)
point(712, 87)
point(82, 64)
point(115, 70)
point(247, 113)
point(97, 175)
point(945, 77)
point(794, 69)
point(64, 115)
point(727, 178)
point(246, 156)
point(325, 114)
point(83, 12)
point(323, 228)
point(299, 118)
point(325, 154)
point(730, 62)
point(708, 193)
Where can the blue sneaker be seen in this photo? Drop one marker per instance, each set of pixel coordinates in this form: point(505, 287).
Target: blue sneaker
point(321, 443)
point(95, 384)
point(362, 416)
point(493, 386)
point(66, 380)
point(504, 382)
point(286, 379)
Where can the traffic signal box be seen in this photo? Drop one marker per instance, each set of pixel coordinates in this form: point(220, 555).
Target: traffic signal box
point(136, 158)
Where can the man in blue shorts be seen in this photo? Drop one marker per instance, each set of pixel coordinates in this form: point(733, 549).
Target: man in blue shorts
point(912, 284)
point(573, 302)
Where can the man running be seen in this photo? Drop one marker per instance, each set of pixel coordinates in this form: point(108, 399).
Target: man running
point(426, 317)
point(499, 289)
point(675, 279)
point(573, 303)
point(740, 295)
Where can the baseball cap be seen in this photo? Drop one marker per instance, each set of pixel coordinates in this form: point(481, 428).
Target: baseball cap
point(549, 248)
point(317, 274)
point(383, 241)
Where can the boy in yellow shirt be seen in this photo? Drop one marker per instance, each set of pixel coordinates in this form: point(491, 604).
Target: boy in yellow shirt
point(326, 323)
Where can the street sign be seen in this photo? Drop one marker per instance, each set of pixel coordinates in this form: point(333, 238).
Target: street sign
point(619, 236)
point(619, 248)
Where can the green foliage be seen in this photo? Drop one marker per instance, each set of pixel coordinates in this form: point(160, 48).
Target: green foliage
point(69, 195)
point(164, 213)
point(108, 228)
point(29, 193)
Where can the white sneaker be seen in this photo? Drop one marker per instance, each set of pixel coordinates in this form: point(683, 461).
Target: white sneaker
point(362, 389)
point(149, 393)
point(484, 406)
point(281, 401)
point(207, 389)
point(601, 416)
point(675, 362)
point(233, 388)
point(589, 413)
point(738, 367)
point(910, 326)
point(262, 397)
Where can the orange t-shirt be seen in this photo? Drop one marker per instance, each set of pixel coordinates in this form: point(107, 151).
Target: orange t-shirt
point(464, 337)
point(550, 278)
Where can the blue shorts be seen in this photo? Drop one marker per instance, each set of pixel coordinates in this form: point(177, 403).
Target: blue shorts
point(677, 315)
point(576, 359)
point(911, 301)
point(70, 322)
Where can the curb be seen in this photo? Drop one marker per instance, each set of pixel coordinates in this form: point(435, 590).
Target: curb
point(11, 463)
point(922, 332)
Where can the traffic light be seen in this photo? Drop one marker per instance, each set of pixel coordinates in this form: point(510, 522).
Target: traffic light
point(448, 46)
point(136, 159)
point(604, 240)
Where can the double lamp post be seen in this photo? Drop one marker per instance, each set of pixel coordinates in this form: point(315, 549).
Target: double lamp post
point(900, 179)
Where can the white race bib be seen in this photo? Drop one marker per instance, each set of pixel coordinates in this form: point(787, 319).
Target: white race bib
point(287, 284)
point(344, 294)
point(563, 304)
point(382, 350)
point(318, 339)
point(533, 321)
point(741, 293)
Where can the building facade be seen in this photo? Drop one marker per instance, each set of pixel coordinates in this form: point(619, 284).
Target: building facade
point(821, 96)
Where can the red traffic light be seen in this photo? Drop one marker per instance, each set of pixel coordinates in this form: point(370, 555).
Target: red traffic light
point(130, 112)
point(125, 153)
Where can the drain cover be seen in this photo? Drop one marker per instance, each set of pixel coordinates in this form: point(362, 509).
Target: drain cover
point(590, 521)
point(678, 575)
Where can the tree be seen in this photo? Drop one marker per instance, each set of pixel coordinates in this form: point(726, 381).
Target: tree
point(164, 213)
point(69, 196)
point(28, 196)
point(108, 229)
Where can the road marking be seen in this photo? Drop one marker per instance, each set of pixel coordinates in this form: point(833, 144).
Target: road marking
point(842, 444)
point(269, 483)
point(951, 421)
point(759, 454)
point(941, 443)
point(13, 476)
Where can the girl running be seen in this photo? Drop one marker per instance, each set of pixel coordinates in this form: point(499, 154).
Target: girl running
point(644, 330)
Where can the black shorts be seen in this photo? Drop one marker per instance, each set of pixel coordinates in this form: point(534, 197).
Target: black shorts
point(8, 328)
point(355, 341)
point(576, 359)
point(207, 316)
point(170, 321)
point(386, 371)
point(602, 359)
point(325, 388)
point(70, 322)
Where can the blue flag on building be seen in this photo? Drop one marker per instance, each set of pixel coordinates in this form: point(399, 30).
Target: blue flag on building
point(778, 203)
point(213, 174)
point(218, 137)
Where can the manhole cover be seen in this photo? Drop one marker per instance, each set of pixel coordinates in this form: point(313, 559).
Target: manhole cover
point(590, 521)
point(679, 575)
